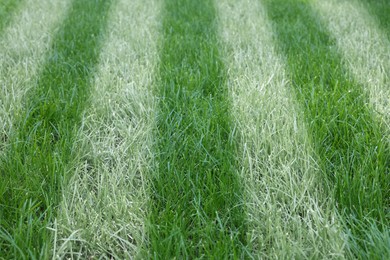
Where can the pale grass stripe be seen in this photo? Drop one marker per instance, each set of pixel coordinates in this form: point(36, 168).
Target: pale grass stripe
point(103, 213)
point(23, 45)
point(290, 214)
point(365, 47)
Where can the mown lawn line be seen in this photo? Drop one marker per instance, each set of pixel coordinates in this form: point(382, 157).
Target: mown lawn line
point(24, 44)
point(366, 51)
point(40, 155)
point(7, 10)
point(103, 211)
point(350, 142)
point(290, 216)
point(380, 10)
point(196, 209)
point(365, 48)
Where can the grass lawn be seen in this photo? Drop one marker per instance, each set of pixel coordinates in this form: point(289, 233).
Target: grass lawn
point(7, 9)
point(38, 160)
point(197, 208)
point(194, 129)
point(350, 142)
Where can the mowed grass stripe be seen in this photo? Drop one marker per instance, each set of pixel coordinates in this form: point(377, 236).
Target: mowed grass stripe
point(365, 48)
point(7, 9)
point(23, 46)
point(40, 156)
point(350, 142)
point(24, 42)
point(104, 206)
point(196, 208)
point(366, 51)
point(289, 214)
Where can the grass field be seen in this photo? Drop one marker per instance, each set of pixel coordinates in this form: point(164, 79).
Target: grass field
point(231, 129)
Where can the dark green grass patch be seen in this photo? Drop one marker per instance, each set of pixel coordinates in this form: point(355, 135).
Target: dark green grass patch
point(196, 208)
point(39, 158)
point(7, 9)
point(350, 143)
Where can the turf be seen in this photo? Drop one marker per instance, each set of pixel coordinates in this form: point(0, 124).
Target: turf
point(7, 9)
point(366, 53)
point(354, 155)
point(196, 207)
point(24, 45)
point(103, 210)
point(380, 9)
point(365, 49)
point(290, 215)
point(38, 161)
point(194, 129)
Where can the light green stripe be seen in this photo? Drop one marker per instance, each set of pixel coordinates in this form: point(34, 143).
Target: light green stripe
point(36, 164)
point(354, 154)
point(366, 51)
point(365, 48)
point(104, 207)
point(23, 46)
point(290, 216)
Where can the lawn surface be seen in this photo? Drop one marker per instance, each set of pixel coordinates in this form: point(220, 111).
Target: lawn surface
point(35, 165)
point(197, 208)
point(194, 129)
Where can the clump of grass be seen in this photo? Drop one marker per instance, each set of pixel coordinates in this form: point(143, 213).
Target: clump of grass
point(354, 154)
point(37, 161)
point(196, 207)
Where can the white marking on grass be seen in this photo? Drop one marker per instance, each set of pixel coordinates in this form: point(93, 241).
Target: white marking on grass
point(23, 45)
point(365, 47)
point(104, 206)
point(290, 213)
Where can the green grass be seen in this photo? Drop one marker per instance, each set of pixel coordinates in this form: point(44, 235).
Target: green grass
point(365, 48)
point(39, 158)
point(103, 211)
point(243, 130)
point(353, 151)
point(380, 9)
point(290, 216)
point(196, 208)
point(7, 9)
point(23, 47)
